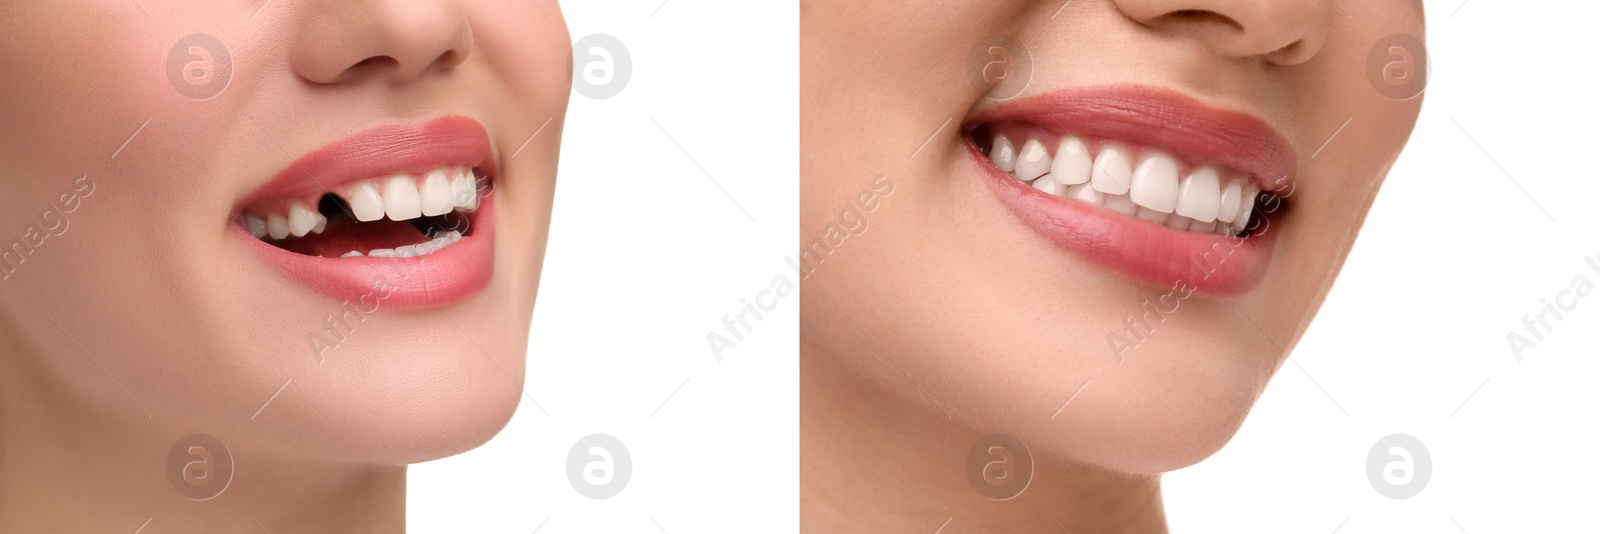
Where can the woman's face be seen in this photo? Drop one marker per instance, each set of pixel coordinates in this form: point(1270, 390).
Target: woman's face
point(159, 160)
point(1111, 322)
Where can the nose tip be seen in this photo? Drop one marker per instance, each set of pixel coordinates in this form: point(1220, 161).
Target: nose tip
point(352, 40)
point(1282, 32)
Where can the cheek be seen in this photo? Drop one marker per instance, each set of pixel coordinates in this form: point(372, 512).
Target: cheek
point(527, 50)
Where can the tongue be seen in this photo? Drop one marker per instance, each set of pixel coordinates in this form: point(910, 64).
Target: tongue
point(344, 235)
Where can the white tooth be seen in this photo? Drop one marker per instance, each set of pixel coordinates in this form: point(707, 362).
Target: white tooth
point(301, 219)
point(1179, 222)
point(1112, 170)
point(1224, 229)
point(1204, 227)
point(1003, 154)
point(1120, 204)
point(405, 251)
point(1153, 216)
point(1198, 195)
point(1072, 163)
point(1044, 183)
point(381, 253)
point(1229, 210)
point(453, 236)
point(1033, 161)
point(1086, 194)
point(351, 254)
point(256, 225)
point(277, 226)
point(322, 224)
point(400, 200)
point(436, 194)
point(464, 190)
point(1155, 182)
point(1247, 202)
point(365, 202)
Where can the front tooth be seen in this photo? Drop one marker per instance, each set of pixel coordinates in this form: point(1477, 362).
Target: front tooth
point(1033, 161)
point(301, 219)
point(1046, 184)
point(405, 251)
point(1086, 194)
point(1204, 227)
point(464, 190)
point(1198, 195)
point(1003, 154)
point(1229, 210)
point(277, 226)
point(322, 224)
point(1155, 182)
point(351, 254)
point(256, 225)
point(381, 253)
point(1072, 163)
point(1121, 204)
point(1112, 170)
point(400, 199)
point(436, 194)
point(365, 202)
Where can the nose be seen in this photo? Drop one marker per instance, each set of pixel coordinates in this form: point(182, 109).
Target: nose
point(1283, 32)
point(348, 40)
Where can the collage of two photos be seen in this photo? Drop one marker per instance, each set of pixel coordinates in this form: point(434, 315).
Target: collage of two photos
point(1017, 266)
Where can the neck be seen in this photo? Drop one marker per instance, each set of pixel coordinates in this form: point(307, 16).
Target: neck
point(872, 461)
point(66, 472)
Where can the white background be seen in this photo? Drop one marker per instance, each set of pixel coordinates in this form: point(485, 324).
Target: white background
point(647, 253)
point(1452, 257)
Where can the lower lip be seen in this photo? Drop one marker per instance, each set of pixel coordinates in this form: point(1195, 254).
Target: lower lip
point(449, 275)
point(1150, 253)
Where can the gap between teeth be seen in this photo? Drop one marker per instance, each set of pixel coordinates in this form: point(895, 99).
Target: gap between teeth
point(1205, 200)
point(400, 197)
point(410, 251)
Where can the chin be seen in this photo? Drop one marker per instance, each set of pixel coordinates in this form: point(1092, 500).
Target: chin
point(414, 399)
point(1163, 411)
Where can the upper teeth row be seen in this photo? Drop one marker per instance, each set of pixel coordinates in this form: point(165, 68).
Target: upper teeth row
point(401, 197)
point(1149, 188)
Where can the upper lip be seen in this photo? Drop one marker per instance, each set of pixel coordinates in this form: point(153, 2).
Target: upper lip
point(382, 150)
point(1160, 118)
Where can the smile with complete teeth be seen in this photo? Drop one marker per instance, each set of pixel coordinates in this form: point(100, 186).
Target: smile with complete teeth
point(1136, 181)
point(401, 215)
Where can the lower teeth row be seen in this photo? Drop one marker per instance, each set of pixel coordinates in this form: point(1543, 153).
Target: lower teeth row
point(410, 251)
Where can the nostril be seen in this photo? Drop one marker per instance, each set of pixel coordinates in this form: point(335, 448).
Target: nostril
point(1201, 16)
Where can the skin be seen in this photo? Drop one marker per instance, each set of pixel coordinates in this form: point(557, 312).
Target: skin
point(946, 320)
point(169, 326)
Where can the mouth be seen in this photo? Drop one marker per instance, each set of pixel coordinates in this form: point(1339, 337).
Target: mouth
point(398, 214)
point(1147, 182)
point(402, 215)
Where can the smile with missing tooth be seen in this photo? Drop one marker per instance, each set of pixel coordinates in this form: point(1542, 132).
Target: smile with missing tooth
point(1138, 181)
point(400, 215)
